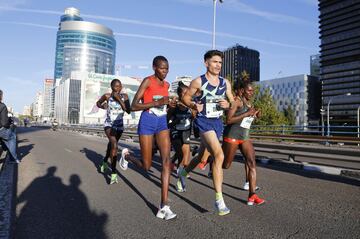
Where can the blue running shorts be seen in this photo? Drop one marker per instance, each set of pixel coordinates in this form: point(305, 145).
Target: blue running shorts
point(151, 124)
point(207, 124)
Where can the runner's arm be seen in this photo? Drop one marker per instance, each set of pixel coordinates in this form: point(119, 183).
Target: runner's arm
point(100, 102)
point(231, 119)
point(195, 85)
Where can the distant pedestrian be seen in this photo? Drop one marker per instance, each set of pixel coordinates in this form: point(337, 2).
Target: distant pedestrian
point(7, 136)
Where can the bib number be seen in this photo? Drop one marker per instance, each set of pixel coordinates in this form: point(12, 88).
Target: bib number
point(246, 122)
point(159, 110)
point(213, 109)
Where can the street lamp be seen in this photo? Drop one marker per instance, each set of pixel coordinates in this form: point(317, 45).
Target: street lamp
point(214, 22)
point(328, 116)
point(322, 113)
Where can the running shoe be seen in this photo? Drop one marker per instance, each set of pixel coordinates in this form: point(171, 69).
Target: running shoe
point(114, 178)
point(221, 208)
point(246, 187)
point(165, 213)
point(123, 162)
point(104, 166)
point(254, 199)
point(202, 165)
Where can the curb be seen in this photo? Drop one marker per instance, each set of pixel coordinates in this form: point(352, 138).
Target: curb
point(310, 167)
point(7, 174)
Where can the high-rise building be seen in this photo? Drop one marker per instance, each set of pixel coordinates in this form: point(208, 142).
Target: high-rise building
point(47, 93)
point(38, 106)
point(315, 65)
point(82, 46)
point(340, 59)
point(238, 59)
point(300, 92)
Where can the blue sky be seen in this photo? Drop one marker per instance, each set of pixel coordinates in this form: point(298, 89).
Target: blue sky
point(285, 32)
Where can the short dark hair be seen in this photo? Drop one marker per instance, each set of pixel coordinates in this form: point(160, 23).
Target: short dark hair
point(158, 59)
point(212, 53)
point(114, 81)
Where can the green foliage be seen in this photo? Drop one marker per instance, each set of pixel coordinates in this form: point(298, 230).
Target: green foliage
point(289, 114)
point(269, 114)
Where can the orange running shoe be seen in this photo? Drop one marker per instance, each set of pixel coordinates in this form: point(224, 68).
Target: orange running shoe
point(202, 165)
point(254, 199)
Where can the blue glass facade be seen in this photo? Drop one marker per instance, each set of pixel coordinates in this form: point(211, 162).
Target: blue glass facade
point(83, 46)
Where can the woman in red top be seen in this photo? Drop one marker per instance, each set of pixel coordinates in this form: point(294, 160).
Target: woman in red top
point(152, 98)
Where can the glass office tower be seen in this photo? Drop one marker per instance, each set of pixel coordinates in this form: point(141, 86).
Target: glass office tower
point(82, 46)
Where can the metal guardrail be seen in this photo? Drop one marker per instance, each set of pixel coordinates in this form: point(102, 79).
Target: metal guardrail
point(324, 154)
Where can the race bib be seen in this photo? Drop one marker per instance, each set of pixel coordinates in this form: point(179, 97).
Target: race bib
point(213, 110)
point(246, 122)
point(159, 110)
point(184, 124)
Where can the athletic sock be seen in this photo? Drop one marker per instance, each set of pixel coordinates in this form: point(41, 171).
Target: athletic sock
point(218, 196)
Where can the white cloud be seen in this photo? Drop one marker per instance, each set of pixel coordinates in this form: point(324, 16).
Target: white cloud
point(238, 6)
point(157, 25)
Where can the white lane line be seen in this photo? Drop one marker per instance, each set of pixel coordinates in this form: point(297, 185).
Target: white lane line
point(67, 150)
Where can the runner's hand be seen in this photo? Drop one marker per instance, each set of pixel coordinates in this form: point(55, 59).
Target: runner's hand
point(224, 104)
point(252, 112)
point(162, 101)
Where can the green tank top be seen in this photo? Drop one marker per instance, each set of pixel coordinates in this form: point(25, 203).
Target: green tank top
point(235, 131)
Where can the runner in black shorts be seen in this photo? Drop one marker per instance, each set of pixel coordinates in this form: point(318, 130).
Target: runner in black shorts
point(236, 135)
point(180, 122)
point(115, 104)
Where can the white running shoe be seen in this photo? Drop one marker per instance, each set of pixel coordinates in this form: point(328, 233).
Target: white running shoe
point(165, 213)
point(123, 162)
point(246, 187)
point(221, 208)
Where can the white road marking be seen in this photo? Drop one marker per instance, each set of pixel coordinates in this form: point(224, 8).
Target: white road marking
point(67, 150)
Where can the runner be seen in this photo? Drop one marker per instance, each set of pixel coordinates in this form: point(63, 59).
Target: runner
point(236, 135)
point(153, 92)
point(210, 105)
point(115, 104)
point(180, 122)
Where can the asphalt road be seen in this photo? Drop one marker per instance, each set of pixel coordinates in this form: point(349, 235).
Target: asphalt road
point(61, 194)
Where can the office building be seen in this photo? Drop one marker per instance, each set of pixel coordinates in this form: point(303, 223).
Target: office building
point(340, 59)
point(239, 59)
point(300, 92)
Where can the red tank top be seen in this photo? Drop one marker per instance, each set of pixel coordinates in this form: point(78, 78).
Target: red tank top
point(155, 88)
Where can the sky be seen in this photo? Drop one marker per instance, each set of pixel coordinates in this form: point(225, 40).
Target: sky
point(285, 32)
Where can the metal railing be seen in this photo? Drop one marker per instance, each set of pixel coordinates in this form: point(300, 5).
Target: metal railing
point(336, 154)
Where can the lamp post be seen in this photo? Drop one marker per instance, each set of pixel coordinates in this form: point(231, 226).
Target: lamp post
point(328, 116)
point(322, 113)
point(214, 22)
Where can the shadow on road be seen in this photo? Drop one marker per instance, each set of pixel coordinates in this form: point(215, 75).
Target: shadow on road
point(96, 159)
point(55, 210)
point(24, 150)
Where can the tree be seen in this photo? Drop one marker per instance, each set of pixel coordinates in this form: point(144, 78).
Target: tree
point(289, 114)
point(269, 113)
